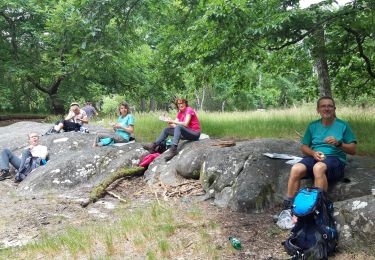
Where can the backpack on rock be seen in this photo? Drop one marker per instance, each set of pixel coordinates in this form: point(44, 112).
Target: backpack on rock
point(315, 235)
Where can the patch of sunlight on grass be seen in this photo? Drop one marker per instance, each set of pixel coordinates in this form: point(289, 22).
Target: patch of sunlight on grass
point(168, 229)
point(151, 255)
point(139, 242)
point(154, 232)
point(110, 249)
point(164, 246)
point(72, 240)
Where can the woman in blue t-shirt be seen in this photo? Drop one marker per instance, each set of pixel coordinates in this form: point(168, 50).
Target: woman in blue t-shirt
point(123, 128)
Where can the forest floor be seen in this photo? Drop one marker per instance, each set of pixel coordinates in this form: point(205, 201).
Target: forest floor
point(206, 230)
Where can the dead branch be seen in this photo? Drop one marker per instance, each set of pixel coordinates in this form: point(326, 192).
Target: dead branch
point(228, 143)
point(100, 190)
point(116, 196)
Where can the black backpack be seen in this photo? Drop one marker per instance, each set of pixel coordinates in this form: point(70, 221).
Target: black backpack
point(315, 235)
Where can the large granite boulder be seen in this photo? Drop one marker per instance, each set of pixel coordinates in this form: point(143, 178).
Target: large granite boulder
point(356, 223)
point(74, 164)
point(15, 136)
point(243, 179)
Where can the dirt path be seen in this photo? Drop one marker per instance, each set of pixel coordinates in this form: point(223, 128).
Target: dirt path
point(23, 220)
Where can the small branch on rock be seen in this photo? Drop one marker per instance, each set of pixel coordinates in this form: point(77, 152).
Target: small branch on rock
point(100, 190)
point(228, 143)
point(116, 196)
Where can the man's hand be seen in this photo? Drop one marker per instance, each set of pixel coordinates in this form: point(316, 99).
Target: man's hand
point(331, 140)
point(319, 156)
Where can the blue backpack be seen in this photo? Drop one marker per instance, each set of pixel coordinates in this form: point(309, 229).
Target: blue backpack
point(315, 235)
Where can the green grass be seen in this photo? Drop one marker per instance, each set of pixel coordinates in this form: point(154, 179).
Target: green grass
point(154, 232)
point(288, 123)
point(276, 123)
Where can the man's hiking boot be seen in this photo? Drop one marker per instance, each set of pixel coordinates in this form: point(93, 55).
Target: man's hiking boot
point(4, 174)
point(172, 152)
point(151, 147)
point(51, 131)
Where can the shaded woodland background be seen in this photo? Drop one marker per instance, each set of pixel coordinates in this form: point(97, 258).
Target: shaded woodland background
point(222, 55)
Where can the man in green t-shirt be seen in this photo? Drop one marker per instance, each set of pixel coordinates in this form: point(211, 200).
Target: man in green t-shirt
point(325, 144)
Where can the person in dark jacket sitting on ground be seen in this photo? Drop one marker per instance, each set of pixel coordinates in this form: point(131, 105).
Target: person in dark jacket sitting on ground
point(34, 150)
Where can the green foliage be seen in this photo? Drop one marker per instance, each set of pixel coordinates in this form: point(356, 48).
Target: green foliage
point(224, 55)
point(111, 104)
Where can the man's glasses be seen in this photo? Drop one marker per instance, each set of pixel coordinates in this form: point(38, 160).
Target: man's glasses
point(327, 106)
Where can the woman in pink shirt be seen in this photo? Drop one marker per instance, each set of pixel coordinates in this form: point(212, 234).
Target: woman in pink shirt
point(186, 126)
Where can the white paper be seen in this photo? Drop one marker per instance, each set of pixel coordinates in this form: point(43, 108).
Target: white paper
point(164, 118)
point(291, 158)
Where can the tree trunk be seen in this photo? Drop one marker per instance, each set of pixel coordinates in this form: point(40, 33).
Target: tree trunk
point(51, 91)
point(143, 105)
point(197, 99)
point(57, 105)
point(203, 96)
point(320, 62)
point(152, 104)
point(223, 106)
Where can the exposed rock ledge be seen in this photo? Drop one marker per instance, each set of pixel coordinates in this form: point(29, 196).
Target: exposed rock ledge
point(238, 177)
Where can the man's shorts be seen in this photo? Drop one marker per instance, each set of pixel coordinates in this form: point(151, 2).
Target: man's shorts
point(335, 168)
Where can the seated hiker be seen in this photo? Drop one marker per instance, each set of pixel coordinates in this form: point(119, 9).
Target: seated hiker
point(73, 121)
point(90, 110)
point(123, 128)
point(23, 165)
point(325, 144)
point(186, 126)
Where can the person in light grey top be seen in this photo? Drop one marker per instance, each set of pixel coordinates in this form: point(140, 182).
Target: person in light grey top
point(90, 110)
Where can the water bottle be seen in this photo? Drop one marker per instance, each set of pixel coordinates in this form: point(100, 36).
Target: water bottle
point(235, 243)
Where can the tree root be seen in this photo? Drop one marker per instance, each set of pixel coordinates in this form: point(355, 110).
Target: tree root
point(100, 190)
